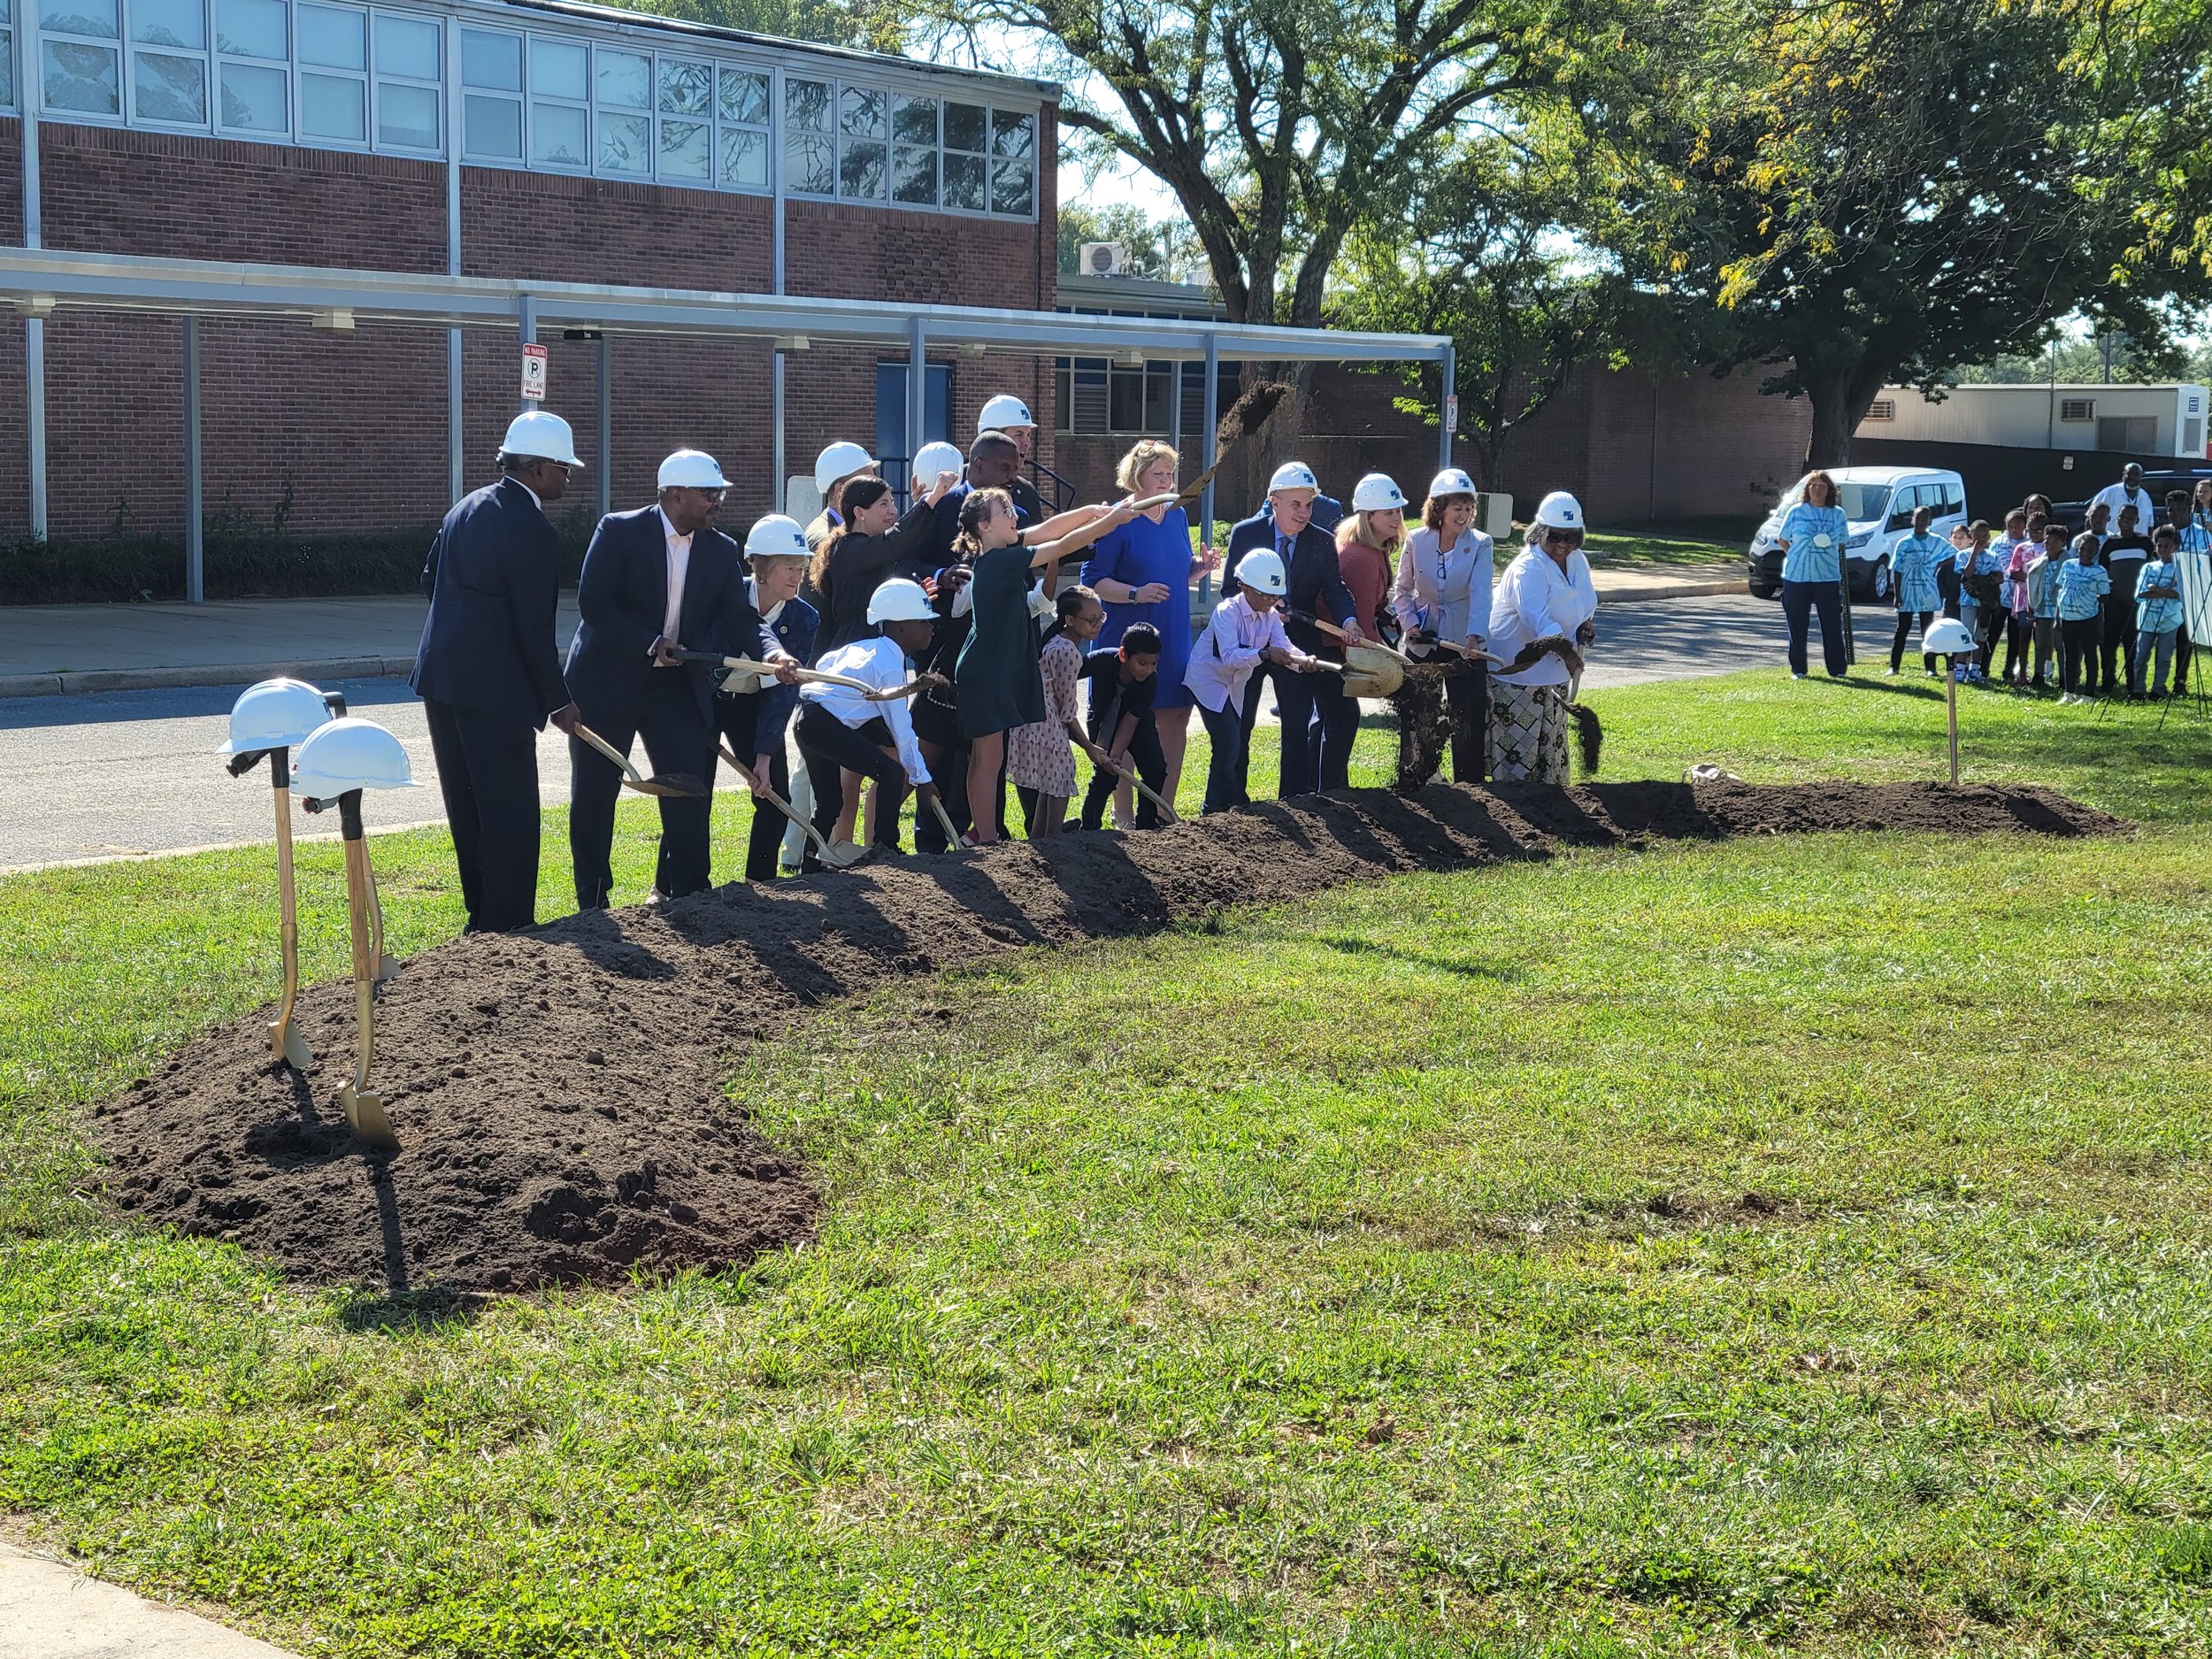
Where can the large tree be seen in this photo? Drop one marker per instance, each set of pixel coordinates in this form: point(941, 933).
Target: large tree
point(1276, 123)
point(1480, 252)
point(1868, 191)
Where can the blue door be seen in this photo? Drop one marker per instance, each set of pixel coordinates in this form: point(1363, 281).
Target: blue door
point(893, 447)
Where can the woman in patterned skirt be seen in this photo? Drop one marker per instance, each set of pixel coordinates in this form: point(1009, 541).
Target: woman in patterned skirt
point(1540, 622)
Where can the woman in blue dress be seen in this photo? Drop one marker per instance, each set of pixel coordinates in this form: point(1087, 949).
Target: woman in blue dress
point(1143, 572)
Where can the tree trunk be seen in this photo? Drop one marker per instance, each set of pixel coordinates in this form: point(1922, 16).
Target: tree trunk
point(1830, 394)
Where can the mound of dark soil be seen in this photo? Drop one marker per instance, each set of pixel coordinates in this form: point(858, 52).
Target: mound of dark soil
point(558, 1093)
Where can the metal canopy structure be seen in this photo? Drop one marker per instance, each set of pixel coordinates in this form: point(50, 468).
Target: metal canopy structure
point(40, 281)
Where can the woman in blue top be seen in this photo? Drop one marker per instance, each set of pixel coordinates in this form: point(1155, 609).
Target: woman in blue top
point(1812, 534)
point(1143, 572)
point(1912, 571)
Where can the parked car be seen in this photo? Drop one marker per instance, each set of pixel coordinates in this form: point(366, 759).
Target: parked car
point(1880, 502)
point(2075, 514)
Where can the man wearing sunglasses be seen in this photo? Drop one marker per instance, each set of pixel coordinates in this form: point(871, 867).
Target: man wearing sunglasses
point(488, 669)
point(658, 580)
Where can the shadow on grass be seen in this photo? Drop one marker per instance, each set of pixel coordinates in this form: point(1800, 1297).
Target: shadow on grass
point(1424, 959)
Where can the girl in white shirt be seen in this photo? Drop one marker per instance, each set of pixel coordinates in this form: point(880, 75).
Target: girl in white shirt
point(1246, 630)
point(1538, 620)
point(1443, 592)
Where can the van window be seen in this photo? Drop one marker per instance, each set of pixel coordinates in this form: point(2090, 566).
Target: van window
point(1953, 495)
point(1901, 506)
point(1860, 502)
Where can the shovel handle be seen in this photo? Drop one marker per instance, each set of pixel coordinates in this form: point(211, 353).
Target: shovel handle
point(952, 835)
point(821, 847)
point(1144, 789)
point(288, 901)
point(747, 666)
point(609, 750)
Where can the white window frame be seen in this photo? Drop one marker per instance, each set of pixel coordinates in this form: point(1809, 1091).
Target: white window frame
point(7, 54)
point(765, 129)
point(518, 98)
point(533, 98)
point(119, 44)
point(662, 62)
point(881, 139)
point(361, 78)
point(203, 55)
point(992, 160)
point(827, 133)
point(380, 78)
point(286, 65)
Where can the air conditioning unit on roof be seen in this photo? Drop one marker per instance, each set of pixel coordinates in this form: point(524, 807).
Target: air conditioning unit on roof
point(1105, 259)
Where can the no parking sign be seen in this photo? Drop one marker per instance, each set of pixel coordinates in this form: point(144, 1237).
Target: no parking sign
point(534, 374)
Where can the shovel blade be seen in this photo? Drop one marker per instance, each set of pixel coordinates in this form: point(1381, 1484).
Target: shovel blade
point(679, 785)
point(844, 855)
point(287, 1044)
point(364, 1116)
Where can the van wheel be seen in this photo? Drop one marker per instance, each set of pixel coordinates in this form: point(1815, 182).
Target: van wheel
point(1878, 582)
point(1762, 589)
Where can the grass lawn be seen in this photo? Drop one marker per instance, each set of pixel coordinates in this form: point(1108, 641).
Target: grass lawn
point(1797, 1246)
point(1688, 542)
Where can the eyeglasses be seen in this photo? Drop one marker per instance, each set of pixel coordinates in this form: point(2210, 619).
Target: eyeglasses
point(1562, 538)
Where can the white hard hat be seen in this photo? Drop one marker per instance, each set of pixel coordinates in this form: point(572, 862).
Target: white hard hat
point(275, 714)
point(1378, 492)
point(1948, 637)
point(1559, 510)
point(841, 459)
point(933, 458)
point(899, 600)
point(1263, 569)
point(1294, 475)
point(1003, 411)
point(350, 754)
point(1450, 482)
point(775, 537)
point(543, 434)
point(692, 469)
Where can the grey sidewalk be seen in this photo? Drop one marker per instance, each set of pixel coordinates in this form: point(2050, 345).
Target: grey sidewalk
point(51, 1611)
point(46, 650)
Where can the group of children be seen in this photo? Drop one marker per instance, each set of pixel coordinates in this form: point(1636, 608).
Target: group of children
point(2100, 611)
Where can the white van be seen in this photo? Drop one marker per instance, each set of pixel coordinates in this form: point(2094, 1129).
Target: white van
point(1879, 501)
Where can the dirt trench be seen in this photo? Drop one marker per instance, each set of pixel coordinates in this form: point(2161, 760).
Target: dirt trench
point(559, 1094)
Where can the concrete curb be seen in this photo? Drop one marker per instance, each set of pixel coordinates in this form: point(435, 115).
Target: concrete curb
point(75, 683)
point(48, 1611)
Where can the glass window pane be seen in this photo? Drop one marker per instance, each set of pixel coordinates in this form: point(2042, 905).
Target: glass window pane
point(1009, 187)
point(493, 127)
point(860, 172)
point(744, 96)
point(82, 78)
point(1012, 134)
point(745, 158)
point(171, 23)
point(558, 137)
point(861, 112)
point(491, 61)
point(964, 183)
point(807, 167)
point(333, 106)
point(250, 28)
point(684, 148)
point(406, 116)
point(914, 176)
point(557, 69)
point(686, 88)
point(7, 68)
point(914, 121)
point(625, 144)
point(626, 80)
point(406, 47)
point(7, 13)
point(79, 17)
point(964, 125)
point(335, 39)
point(253, 98)
point(167, 88)
point(806, 105)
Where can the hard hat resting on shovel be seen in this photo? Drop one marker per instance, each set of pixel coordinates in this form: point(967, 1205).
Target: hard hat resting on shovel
point(340, 761)
point(272, 719)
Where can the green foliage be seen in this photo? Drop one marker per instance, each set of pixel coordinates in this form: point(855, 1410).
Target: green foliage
point(1161, 249)
point(833, 22)
point(1865, 192)
point(1483, 254)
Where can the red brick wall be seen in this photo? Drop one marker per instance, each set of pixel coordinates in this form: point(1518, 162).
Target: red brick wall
point(356, 424)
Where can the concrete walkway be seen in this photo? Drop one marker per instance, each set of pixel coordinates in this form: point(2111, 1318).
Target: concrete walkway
point(51, 1611)
point(49, 650)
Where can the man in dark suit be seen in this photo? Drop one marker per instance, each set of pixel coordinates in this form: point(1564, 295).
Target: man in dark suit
point(653, 579)
point(488, 669)
point(755, 712)
point(1316, 589)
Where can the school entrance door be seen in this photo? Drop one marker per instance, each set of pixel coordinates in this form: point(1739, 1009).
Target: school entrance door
point(893, 448)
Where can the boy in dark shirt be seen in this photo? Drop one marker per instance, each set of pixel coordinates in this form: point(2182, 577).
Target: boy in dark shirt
point(2123, 554)
point(1123, 683)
